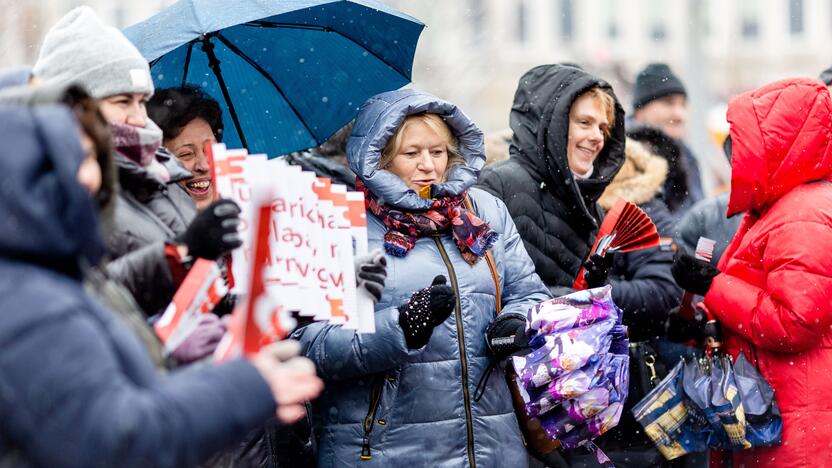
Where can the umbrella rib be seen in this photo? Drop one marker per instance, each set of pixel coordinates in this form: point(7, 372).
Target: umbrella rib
point(272, 24)
point(187, 64)
point(266, 75)
point(214, 63)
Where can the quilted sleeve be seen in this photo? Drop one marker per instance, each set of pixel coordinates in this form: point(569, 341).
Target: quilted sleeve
point(792, 313)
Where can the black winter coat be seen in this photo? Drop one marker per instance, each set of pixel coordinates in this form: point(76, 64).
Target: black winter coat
point(642, 284)
point(556, 215)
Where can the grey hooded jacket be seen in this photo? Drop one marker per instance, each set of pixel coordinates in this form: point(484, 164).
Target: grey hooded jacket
point(147, 214)
point(385, 405)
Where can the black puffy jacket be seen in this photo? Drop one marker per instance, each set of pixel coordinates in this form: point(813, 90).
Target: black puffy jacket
point(643, 286)
point(557, 216)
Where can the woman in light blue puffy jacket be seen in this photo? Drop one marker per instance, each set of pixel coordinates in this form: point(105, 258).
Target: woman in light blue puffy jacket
point(404, 396)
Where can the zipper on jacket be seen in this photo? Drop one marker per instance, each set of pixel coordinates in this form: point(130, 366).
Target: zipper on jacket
point(469, 423)
point(369, 420)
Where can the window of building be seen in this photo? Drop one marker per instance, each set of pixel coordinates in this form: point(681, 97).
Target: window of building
point(120, 15)
point(521, 29)
point(749, 19)
point(658, 21)
point(613, 31)
point(796, 13)
point(476, 16)
point(567, 20)
point(750, 27)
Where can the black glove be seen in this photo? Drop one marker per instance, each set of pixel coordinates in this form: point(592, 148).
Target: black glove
point(693, 275)
point(597, 269)
point(370, 273)
point(213, 232)
point(681, 330)
point(426, 309)
point(506, 336)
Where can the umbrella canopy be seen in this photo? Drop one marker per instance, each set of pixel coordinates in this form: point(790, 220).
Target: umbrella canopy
point(287, 74)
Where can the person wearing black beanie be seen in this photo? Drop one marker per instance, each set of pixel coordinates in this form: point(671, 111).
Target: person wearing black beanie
point(654, 82)
point(660, 101)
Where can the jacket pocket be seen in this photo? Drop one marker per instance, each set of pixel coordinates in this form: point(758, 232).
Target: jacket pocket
point(370, 419)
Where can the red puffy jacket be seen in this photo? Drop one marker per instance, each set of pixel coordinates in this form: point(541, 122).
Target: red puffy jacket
point(774, 295)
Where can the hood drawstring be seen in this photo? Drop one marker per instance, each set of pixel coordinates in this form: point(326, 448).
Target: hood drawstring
point(479, 391)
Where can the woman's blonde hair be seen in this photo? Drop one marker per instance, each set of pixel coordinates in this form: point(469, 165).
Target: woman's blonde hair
point(607, 103)
point(438, 125)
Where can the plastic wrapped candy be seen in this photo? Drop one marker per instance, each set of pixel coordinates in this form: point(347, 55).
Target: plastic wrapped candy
point(562, 352)
point(594, 427)
point(601, 370)
point(567, 386)
point(576, 310)
point(608, 384)
point(588, 404)
point(575, 380)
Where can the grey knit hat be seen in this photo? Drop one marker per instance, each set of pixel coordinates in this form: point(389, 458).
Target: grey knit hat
point(81, 49)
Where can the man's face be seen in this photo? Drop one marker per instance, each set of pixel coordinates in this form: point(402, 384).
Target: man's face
point(669, 113)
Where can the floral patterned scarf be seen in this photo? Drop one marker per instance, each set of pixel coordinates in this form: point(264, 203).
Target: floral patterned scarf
point(472, 235)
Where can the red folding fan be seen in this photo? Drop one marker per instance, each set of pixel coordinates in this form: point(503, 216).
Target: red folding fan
point(625, 228)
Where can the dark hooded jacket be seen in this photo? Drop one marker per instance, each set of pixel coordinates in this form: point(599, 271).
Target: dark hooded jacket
point(555, 214)
point(683, 187)
point(148, 213)
point(77, 389)
point(112, 294)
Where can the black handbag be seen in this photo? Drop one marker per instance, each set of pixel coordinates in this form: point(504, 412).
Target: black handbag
point(646, 371)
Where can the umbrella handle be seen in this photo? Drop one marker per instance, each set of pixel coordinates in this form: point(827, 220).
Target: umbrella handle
point(713, 337)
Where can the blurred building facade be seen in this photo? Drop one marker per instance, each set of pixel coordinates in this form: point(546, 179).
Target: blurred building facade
point(474, 51)
point(24, 22)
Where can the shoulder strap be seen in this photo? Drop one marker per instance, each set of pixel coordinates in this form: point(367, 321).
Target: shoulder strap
point(489, 258)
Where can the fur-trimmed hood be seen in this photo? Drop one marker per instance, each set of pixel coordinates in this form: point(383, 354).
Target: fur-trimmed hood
point(640, 179)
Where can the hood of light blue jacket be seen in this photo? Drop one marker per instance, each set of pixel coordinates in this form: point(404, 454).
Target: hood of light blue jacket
point(378, 120)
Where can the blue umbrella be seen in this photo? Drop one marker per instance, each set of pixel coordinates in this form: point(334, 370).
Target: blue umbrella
point(288, 74)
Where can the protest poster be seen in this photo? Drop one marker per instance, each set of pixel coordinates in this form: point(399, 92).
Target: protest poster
point(336, 253)
point(231, 173)
point(261, 318)
point(315, 229)
point(357, 215)
point(200, 292)
point(291, 275)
